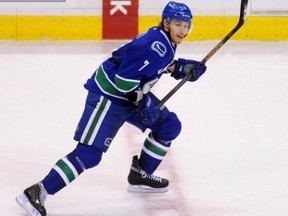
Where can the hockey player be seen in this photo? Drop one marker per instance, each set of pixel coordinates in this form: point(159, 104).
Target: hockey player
point(118, 92)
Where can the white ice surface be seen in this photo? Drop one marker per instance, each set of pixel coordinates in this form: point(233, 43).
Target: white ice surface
point(231, 158)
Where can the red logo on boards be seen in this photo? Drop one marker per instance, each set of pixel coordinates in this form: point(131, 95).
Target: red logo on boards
point(120, 19)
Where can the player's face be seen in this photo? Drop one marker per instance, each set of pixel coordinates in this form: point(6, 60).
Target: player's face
point(178, 30)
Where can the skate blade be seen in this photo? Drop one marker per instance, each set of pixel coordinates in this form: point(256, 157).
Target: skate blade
point(23, 201)
point(145, 189)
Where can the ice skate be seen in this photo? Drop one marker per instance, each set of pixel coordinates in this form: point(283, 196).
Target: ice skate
point(32, 200)
point(140, 181)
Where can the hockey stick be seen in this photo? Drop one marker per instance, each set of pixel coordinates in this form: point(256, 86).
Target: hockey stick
point(241, 21)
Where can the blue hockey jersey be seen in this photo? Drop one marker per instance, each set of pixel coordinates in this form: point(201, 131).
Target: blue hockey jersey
point(137, 64)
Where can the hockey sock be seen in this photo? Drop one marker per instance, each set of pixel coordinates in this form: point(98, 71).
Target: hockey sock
point(152, 153)
point(63, 173)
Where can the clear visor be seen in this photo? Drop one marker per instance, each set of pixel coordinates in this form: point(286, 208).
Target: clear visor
point(190, 28)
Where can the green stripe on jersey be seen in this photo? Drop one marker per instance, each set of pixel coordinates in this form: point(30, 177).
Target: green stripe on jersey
point(125, 85)
point(110, 88)
point(103, 81)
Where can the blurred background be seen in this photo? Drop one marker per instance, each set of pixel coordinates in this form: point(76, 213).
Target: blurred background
point(116, 19)
point(231, 157)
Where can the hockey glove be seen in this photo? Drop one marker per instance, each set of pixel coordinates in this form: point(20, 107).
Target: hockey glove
point(186, 66)
point(148, 110)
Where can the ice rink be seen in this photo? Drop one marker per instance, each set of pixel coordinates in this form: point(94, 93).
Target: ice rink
point(231, 158)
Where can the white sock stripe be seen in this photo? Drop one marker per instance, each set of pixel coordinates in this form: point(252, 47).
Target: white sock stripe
point(152, 154)
point(159, 145)
point(62, 174)
point(71, 166)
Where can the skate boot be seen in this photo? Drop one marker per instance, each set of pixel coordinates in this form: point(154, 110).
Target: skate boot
point(140, 181)
point(32, 200)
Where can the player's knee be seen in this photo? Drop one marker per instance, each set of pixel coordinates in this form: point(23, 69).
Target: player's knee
point(169, 128)
point(172, 127)
point(177, 126)
point(89, 155)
